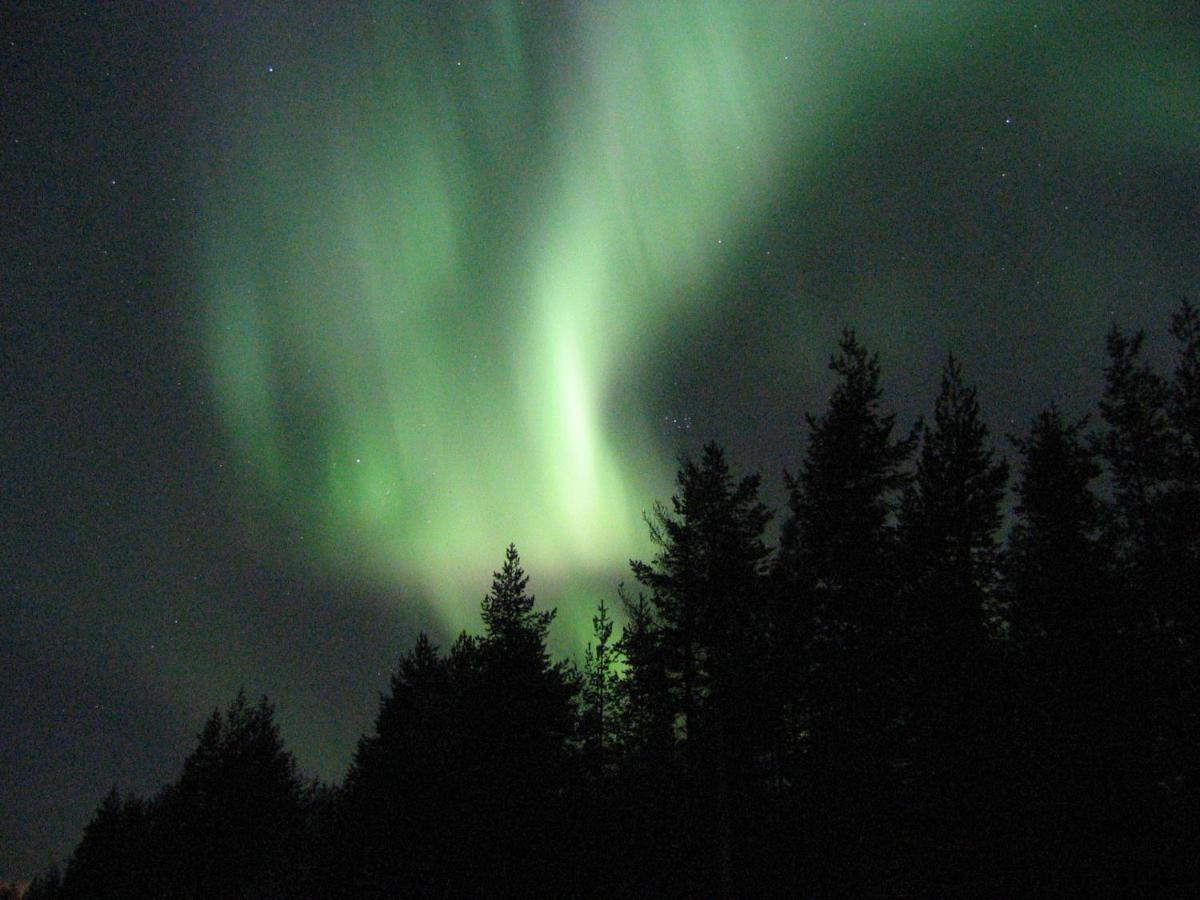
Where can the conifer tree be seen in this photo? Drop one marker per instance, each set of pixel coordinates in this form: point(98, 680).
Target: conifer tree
point(1136, 443)
point(1056, 591)
point(600, 714)
point(707, 584)
point(947, 704)
point(508, 614)
point(1184, 399)
point(110, 860)
point(647, 724)
point(534, 695)
point(232, 818)
point(836, 537)
point(397, 786)
point(1180, 529)
point(1054, 556)
point(951, 515)
point(836, 581)
point(519, 712)
point(47, 886)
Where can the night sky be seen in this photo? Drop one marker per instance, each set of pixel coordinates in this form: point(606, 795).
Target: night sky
point(310, 308)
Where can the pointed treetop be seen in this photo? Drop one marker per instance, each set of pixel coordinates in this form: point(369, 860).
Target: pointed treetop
point(508, 607)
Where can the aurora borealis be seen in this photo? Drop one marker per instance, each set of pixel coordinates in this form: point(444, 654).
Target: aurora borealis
point(319, 308)
point(427, 372)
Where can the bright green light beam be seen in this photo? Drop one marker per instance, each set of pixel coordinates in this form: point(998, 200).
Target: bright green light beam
point(430, 266)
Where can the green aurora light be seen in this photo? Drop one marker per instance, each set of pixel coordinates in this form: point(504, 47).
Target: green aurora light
point(417, 305)
point(434, 257)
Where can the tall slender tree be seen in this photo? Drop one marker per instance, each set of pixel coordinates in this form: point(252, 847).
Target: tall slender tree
point(1054, 553)
point(397, 788)
point(707, 584)
point(111, 859)
point(647, 724)
point(520, 711)
point(949, 523)
point(836, 537)
point(951, 515)
point(1136, 442)
point(600, 712)
point(834, 604)
point(1066, 660)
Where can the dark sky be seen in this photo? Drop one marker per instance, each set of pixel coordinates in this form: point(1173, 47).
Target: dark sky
point(308, 313)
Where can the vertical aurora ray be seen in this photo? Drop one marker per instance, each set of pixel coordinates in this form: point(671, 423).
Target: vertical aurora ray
point(432, 257)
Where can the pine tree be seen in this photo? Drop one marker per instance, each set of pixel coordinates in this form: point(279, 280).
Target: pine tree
point(1067, 659)
point(518, 709)
point(534, 695)
point(508, 614)
point(47, 886)
point(834, 610)
point(232, 818)
point(1136, 443)
point(398, 781)
point(948, 708)
point(1180, 528)
point(951, 516)
point(600, 713)
point(647, 724)
point(707, 584)
point(1184, 396)
point(110, 859)
point(836, 537)
point(1140, 446)
point(1054, 555)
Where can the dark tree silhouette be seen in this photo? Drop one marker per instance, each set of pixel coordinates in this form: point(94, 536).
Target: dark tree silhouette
point(951, 516)
point(1150, 450)
point(707, 585)
point(835, 613)
point(836, 536)
point(521, 710)
point(47, 886)
point(1055, 557)
point(231, 822)
point(467, 751)
point(1065, 651)
point(600, 711)
point(895, 704)
point(397, 789)
point(647, 724)
point(110, 859)
point(949, 523)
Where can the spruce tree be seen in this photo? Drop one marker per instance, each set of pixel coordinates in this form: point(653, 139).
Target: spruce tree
point(707, 584)
point(1065, 656)
point(232, 819)
point(836, 538)
point(600, 712)
point(396, 789)
point(110, 860)
point(834, 609)
point(1136, 443)
point(951, 516)
point(948, 706)
point(647, 723)
point(519, 712)
point(1054, 555)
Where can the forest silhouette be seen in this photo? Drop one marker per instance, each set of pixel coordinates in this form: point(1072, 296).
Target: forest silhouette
point(912, 694)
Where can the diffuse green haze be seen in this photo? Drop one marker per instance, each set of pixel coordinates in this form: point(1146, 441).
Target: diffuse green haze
point(434, 256)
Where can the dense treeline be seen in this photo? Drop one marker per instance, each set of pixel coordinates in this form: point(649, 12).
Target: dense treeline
point(894, 701)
